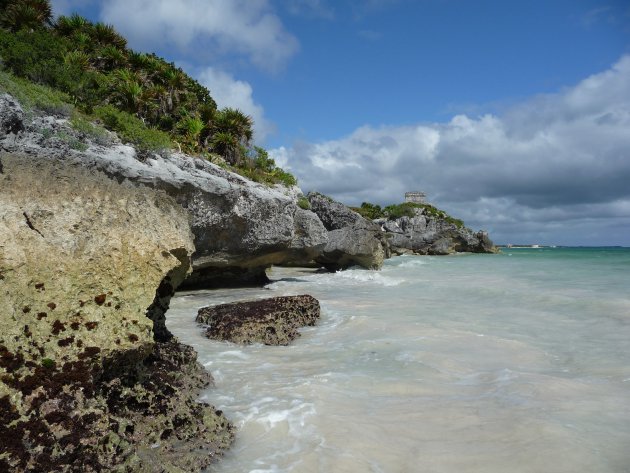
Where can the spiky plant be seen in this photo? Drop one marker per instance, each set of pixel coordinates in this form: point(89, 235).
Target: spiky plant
point(26, 14)
point(175, 82)
point(207, 112)
point(77, 59)
point(82, 40)
point(236, 123)
point(111, 57)
point(226, 145)
point(129, 96)
point(191, 127)
point(138, 60)
point(125, 75)
point(69, 25)
point(106, 34)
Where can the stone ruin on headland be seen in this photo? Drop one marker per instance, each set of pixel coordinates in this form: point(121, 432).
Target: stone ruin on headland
point(416, 197)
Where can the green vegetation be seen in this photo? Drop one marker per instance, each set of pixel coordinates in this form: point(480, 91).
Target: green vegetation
point(87, 128)
point(131, 129)
point(72, 141)
point(303, 203)
point(369, 211)
point(35, 96)
point(406, 209)
point(259, 167)
point(149, 102)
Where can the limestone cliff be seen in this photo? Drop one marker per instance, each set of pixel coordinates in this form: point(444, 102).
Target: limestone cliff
point(239, 227)
point(352, 239)
point(81, 259)
point(424, 233)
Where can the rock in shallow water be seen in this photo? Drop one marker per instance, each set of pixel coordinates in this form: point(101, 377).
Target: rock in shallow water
point(271, 321)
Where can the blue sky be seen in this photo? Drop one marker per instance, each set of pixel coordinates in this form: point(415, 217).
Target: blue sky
point(512, 115)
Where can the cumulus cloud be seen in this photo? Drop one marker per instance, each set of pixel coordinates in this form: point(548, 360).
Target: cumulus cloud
point(198, 27)
point(550, 165)
point(229, 92)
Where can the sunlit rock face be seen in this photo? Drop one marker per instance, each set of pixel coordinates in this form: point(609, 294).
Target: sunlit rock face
point(433, 235)
point(82, 257)
point(240, 227)
point(352, 239)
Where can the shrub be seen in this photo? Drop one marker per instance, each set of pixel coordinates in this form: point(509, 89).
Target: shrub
point(369, 211)
point(36, 55)
point(303, 203)
point(72, 141)
point(262, 160)
point(259, 167)
point(33, 96)
point(132, 129)
point(406, 209)
point(93, 132)
point(280, 176)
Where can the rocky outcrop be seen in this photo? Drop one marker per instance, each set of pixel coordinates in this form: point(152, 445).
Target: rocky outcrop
point(271, 321)
point(352, 239)
point(240, 227)
point(11, 116)
point(433, 235)
point(87, 267)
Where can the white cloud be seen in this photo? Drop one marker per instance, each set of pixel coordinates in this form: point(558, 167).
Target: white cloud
point(549, 166)
point(200, 27)
point(229, 92)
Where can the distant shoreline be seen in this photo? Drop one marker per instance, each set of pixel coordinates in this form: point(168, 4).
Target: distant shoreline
point(557, 246)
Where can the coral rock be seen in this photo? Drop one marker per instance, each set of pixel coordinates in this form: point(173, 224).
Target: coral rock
point(271, 321)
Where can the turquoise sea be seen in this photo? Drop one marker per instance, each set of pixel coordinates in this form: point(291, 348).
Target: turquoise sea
point(518, 362)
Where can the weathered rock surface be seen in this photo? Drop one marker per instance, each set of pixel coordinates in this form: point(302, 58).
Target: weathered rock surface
point(81, 259)
point(240, 227)
point(352, 239)
point(11, 116)
point(427, 234)
point(309, 240)
point(272, 321)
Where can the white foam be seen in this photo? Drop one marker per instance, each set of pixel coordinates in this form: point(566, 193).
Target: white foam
point(413, 263)
point(365, 276)
point(235, 354)
point(464, 365)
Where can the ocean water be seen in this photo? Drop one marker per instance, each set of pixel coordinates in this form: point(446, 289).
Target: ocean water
point(518, 362)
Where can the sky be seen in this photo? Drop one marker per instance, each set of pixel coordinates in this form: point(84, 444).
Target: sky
point(512, 115)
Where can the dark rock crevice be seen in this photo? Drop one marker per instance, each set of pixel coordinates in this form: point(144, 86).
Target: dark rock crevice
point(165, 291)
point(11, 116)
point(231, 276)
point(30, 224)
